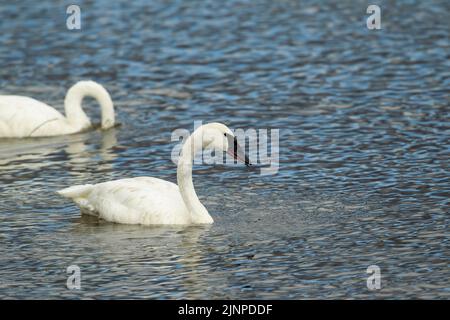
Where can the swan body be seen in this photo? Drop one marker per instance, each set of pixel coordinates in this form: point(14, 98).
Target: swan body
point(150, 201)
point(141, 200)
point(22, 117)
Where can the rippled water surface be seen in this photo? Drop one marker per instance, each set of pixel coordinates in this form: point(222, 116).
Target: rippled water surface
point(364, 148)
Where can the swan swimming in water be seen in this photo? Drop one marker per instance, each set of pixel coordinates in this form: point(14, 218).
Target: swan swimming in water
point(147, 201)
point(22, 117)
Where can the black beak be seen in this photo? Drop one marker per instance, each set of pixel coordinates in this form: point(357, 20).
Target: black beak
point(237, 152)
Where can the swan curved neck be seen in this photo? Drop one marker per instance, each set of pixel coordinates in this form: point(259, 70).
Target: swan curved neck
point(72, 104)
point(198, 212)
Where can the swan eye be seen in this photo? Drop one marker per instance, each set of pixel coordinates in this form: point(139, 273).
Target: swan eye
point(225, 134)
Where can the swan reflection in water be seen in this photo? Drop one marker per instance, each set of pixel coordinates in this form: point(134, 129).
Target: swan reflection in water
point(73, 152)
point(156, 253)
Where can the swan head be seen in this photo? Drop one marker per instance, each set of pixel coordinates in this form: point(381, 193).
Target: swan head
point(93, 89)
point(219, 137)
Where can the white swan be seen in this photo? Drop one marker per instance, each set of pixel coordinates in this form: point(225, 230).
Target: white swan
point(22, 117)
point(147, 201)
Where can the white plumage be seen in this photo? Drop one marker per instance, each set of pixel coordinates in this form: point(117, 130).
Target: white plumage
point(141, 200)
point(147, 201)
point(22, 117)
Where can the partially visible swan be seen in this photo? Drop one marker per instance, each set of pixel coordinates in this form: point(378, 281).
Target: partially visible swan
point(147, 201)
point(22, 117)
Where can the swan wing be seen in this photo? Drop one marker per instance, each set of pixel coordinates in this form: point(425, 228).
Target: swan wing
point(24, 117)
point(141, 200)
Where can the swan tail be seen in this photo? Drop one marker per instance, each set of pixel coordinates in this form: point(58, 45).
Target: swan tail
point(76, 192)
point(79, 194)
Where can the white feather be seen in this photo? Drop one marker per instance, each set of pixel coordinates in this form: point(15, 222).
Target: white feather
point(141, 200)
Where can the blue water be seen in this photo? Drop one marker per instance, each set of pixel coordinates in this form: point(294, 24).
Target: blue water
point(364, 148)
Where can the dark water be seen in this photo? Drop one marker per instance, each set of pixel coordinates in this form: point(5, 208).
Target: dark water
point(364, 148)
